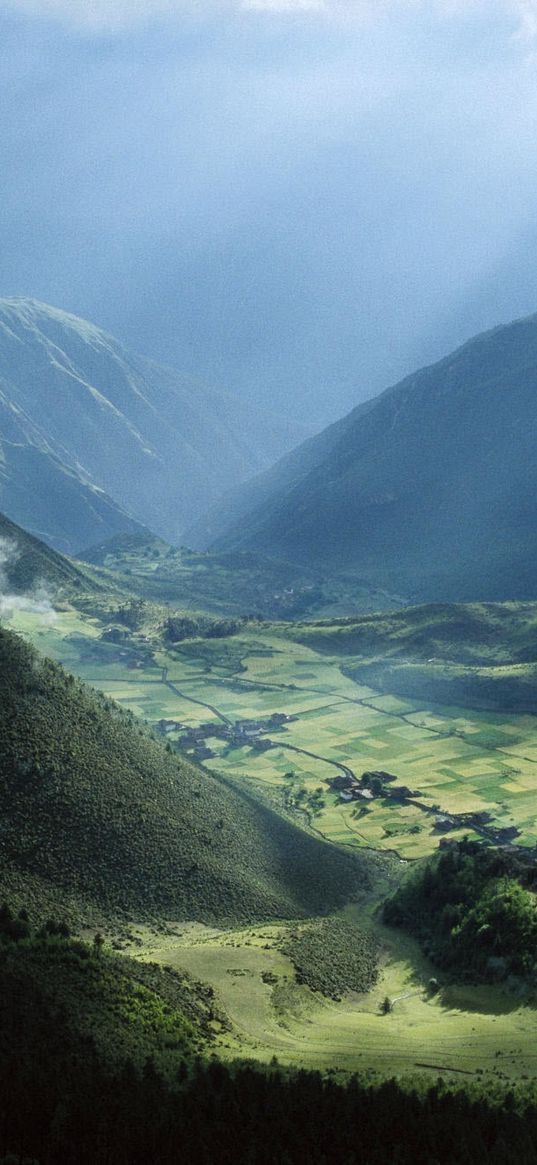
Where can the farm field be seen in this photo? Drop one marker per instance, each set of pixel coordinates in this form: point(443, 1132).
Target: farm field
point(461, 1032)
point(454, 761)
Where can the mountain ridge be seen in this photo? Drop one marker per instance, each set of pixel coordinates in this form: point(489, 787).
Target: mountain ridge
point(136, 437)
point(424, 488)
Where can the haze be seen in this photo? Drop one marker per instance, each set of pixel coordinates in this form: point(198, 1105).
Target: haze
point(296, 201)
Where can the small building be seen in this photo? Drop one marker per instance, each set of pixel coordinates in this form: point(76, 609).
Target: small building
point(345, 795)
point(260, 745)
point(378, 775)
point(444, 823)
point(342, 781)
point(168, 725)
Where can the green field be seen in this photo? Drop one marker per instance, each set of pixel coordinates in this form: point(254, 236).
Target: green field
point(459, 761)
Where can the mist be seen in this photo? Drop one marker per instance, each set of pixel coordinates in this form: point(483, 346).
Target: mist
point(37, 601)
point(299, 203)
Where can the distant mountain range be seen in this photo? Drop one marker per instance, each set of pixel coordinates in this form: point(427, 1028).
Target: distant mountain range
point(429, 490)
point(95, 441)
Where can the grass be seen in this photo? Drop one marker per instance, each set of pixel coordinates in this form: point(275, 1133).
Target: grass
point(478, 655)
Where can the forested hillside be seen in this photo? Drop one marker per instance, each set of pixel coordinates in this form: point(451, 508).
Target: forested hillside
point(25, 562)
point(474, 910)
point(100, 819)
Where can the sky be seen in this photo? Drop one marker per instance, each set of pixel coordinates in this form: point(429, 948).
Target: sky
point(299, 201)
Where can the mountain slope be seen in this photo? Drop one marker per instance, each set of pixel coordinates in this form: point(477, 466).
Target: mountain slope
point(52, 501)
point(79, 414)
point(430, 490)
point(25, 562)
point(99, 819)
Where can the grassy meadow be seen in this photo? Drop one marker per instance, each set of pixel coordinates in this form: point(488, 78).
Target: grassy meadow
point(461, 1032)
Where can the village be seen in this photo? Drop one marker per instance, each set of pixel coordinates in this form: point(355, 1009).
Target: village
point(193, 741)
point(377, 783)
point(371, 786)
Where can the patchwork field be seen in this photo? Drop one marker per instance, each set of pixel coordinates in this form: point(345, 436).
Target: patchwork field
point(454, 761)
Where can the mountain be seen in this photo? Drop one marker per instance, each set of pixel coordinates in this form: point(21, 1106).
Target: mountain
point(95, 440)
point(26, 563)
point(429, 490)
point(258, 492)
point(52, 500)
point(100, 820)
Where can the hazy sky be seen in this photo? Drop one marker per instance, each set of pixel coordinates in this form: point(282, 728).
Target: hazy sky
point(295, 199)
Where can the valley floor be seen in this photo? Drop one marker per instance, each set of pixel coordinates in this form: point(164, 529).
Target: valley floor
point(454, 761)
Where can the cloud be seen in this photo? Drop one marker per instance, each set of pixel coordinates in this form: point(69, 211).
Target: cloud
point(285, 5)
point(109, 16)
point(526, 10)
point(115, 16)
point(37, 602)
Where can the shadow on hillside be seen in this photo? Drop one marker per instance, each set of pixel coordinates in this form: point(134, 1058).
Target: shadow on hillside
point(484, 999)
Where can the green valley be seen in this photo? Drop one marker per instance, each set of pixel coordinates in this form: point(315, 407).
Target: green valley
point(302, 723)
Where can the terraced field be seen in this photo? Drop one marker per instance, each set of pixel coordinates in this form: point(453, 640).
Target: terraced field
point(455, 761)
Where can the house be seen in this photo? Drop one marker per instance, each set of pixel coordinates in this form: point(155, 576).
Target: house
point(168, 725)
point(507, 833)
point(345, 795)
point(444, 823)
point(378, 775)
point(342, 781)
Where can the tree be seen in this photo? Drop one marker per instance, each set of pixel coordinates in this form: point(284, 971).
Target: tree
point(98, 943)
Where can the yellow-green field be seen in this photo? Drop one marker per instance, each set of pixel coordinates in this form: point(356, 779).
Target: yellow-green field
point(460, 761)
